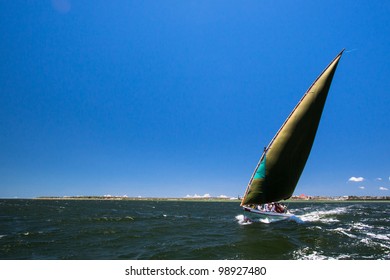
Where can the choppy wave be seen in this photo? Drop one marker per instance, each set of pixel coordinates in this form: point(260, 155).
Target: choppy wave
point(189, 230)
point(307, 253)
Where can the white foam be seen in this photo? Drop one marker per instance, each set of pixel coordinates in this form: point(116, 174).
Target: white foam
point(370, 242)
point(344, 256)
point(366, 241)
point(296, 219)
point(323, 216)
point(384, 246)
point(378, 236)
point(242, 220)
point(345, 232)
point(304, 254)
point(361, 226)
point(307, 254)
point(265, 221)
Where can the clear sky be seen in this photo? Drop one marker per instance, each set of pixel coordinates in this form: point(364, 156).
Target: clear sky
point(175, 98)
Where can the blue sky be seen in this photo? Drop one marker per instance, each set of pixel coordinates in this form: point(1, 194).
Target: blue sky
point(176, 98)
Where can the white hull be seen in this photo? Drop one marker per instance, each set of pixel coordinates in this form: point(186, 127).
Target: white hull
point(254, 214)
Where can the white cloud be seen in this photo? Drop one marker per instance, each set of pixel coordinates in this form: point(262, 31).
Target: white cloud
point(362, 187)
point(383, 189)
point(356, 179)
point(379, 179)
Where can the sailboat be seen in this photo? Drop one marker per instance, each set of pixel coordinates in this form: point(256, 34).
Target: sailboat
point(283, 160)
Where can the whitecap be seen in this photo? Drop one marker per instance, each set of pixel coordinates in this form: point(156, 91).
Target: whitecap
point(1, 236)
point(305, 254)
point(344, 256)
point(369, 242)
point(344, 231)
point(366, 241)
point(378, 236)
point(384, 246)
point(361, 226)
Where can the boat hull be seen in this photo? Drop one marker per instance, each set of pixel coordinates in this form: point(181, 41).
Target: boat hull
point(265, 216)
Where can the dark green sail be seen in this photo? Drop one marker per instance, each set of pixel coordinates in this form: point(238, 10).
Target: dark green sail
point(282, 162)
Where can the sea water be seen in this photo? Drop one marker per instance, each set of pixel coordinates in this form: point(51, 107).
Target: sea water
point(176, 230)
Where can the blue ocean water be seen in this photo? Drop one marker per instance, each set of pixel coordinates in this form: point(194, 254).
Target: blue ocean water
point(174, 230)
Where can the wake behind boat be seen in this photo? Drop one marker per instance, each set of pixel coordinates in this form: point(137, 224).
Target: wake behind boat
point(283, 160)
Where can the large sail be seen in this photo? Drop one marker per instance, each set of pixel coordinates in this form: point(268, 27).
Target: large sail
point(282, 162)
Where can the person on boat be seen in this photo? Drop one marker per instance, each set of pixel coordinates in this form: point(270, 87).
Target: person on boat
point(280, 208)
point(271, 207)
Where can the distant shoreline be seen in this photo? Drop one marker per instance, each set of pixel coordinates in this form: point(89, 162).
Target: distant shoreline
point(218, 199)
